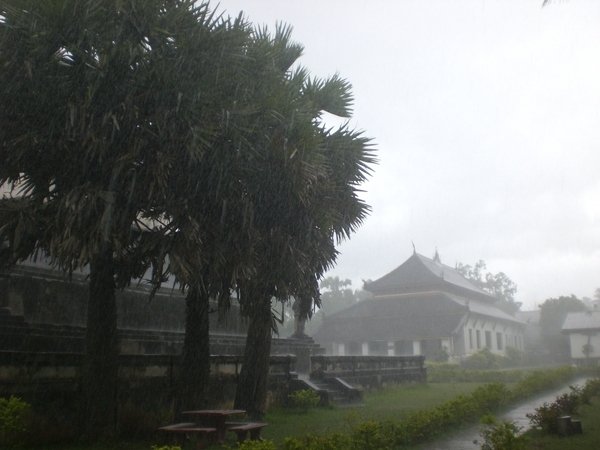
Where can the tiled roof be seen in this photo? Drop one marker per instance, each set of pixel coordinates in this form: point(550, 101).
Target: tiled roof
point(419, 272)
point(486, 309)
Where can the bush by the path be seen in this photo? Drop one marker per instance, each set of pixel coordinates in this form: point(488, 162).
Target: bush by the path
point(501, 435)
point(546, 416)
point(13, 421)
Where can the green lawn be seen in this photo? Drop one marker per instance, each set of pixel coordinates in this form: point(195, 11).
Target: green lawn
point(589, 440)
point(391, 403)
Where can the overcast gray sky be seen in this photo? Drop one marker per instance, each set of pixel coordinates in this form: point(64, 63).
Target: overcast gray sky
point(486, 116)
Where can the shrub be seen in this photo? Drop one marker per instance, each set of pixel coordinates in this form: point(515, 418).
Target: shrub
point(541, 380)
point(304, 400)
point(483, 359)
point(13, 421)
point(335, 441)
point(514, 357)
point(166, 447)
point(490, 396)
point(546, 416)
point(502, 436)
point(589, 390)
point(371, 436)
point(257, 445)
point(438, 373)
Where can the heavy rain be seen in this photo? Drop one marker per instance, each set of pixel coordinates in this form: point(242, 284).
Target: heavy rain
point(313, 225)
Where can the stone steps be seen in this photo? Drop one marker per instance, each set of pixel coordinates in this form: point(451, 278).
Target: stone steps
point(335, 393)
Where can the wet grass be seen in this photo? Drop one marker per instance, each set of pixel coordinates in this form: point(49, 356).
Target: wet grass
point(589, 440)
point(391, 403)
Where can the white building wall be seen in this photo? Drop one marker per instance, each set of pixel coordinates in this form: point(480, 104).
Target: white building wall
point(416, 347)
point(365, 348)
point(511, 335)
point(577, 341)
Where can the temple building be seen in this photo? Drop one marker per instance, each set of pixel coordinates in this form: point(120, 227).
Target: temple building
point(422, 307)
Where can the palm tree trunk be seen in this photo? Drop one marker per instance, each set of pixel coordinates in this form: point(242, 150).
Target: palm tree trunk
point(100, 372)
point(195, 366)
point(251, 393)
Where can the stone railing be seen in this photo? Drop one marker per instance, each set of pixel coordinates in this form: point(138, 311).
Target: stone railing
point(370, 370)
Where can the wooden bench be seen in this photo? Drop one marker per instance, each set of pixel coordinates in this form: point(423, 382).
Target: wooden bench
point(242, 430)
point(189, 429)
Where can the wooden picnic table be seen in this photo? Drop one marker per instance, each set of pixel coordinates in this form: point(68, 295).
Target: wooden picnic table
point(216, 418)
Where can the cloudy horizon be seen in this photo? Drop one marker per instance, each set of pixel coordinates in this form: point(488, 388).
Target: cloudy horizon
point(485, 117)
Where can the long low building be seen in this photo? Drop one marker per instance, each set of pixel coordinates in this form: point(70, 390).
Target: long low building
point(423, 307)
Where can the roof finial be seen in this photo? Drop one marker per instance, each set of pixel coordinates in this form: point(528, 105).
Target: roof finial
point(436, 257)
point(414, 248)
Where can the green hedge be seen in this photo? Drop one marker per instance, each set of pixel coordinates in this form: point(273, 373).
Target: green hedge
point(542, 380)
point(444, 373)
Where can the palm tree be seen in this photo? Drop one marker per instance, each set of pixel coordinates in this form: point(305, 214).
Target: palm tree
point(102, 102)
point(305, 199)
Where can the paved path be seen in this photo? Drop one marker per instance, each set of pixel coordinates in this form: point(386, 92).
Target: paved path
point(467, 438)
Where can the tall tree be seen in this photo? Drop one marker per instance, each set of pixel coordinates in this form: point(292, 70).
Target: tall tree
point(207, 205)
point(102, 102)
point(499, 284)
point(303, 199)
point(336, 294)
point(552, 316)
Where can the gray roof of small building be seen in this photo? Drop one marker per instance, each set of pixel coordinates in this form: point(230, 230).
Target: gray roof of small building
point(581, 321)
point(418, 273)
